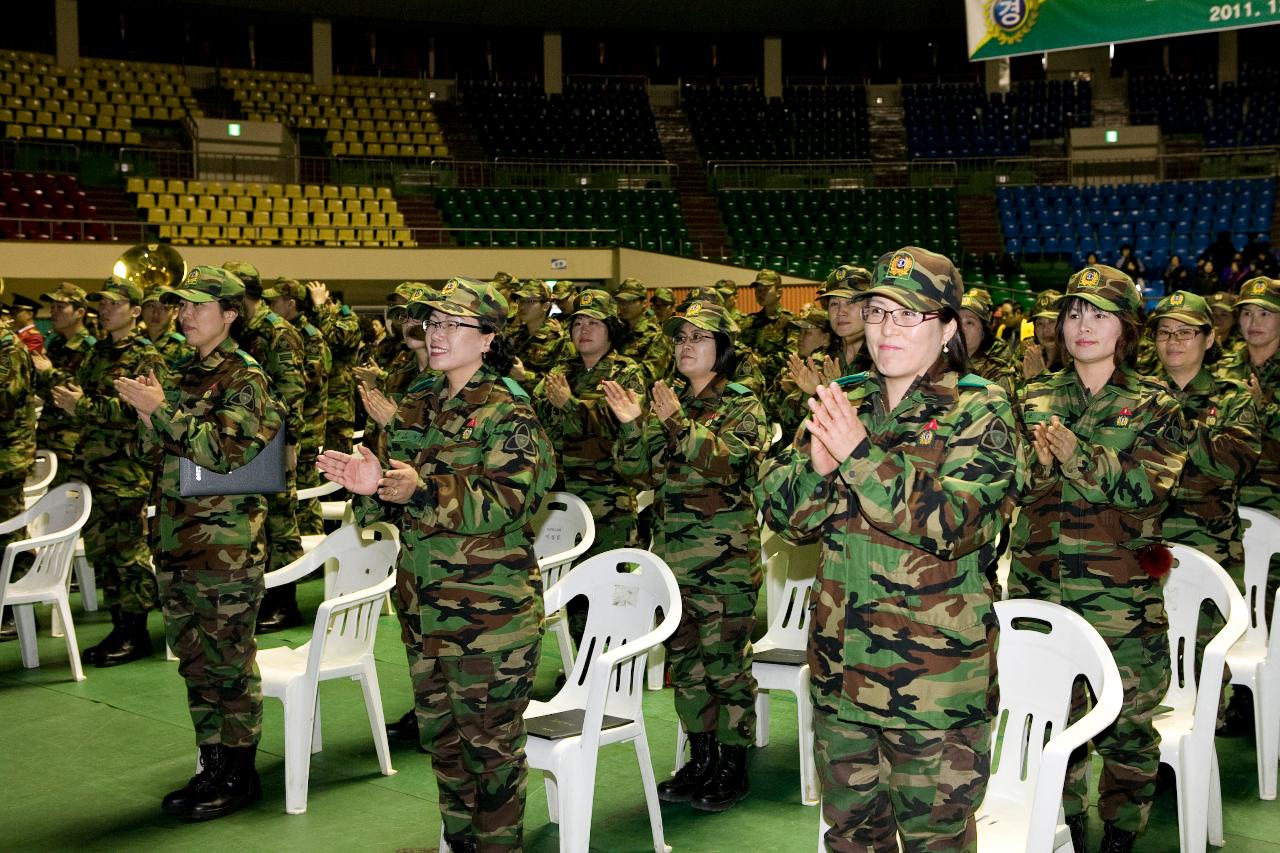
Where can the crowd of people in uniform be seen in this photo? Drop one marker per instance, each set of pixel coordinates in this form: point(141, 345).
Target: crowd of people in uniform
point(904, 423)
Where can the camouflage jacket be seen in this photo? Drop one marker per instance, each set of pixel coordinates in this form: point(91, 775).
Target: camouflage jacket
point(57, 429)
point(1222, 449)
point(173, 347)
point(317, 364)
point(110, 455)
point(541, 350)
point(277, 347)
point(1261, 488)
point(385, 351)
point(789, 405)
point(903, 630)
point(17, 412)
point(993, 369)
point(649, 348)
point(219, 414)
point(769, 336)
point(401, 372)
point(702, 465)
point(584, 431)
point(1082, 523)
point(341, 330)
point(484, 464)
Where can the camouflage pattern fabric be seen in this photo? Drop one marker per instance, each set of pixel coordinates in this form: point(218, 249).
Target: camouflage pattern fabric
point(484, 464)
point(649, 348)
point(111, 459)
point(386, 350)
point(584, 433)
point(541, 350)
point(1130, 747)
point(341, 329)
point(925, 784)
point(173, 347)
point(316, 366)
point(401, 372)
point(1261, 488)
point(17, 425)
point(709, 658)
point(470, 712)
point(768, 336)
point(903, 630)
point(56, 431)
point(212, 551)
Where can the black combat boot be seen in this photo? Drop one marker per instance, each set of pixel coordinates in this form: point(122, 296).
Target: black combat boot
point(132, 642)
point(1077, 824)
point(405, 729)
point(728, 784)
point(91, 654)
point(694, 775)
point(461, 844)
point(1116, 840)
point(9, 627)
point(279, 610)
point(236, 787)
point(179, 802)
point(1237, 718)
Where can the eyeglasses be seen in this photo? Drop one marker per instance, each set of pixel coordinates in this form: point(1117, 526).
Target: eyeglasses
point(446, 326)
point(901, 316)
point(695, 338)
point(1184, 334)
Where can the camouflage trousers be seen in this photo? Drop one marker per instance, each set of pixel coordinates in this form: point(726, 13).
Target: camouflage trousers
point(1129, 747)
point(284, 542)
point(340, 422)
point(309, 516)
point(115, 544)
point(11, 504)
point(922, 784)
point(406, 599)
point(209, 619)
point(470, 713)
point(709, 658)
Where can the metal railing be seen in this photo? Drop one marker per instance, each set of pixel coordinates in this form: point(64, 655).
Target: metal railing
point(100, 230)
point(28, 156)
point(830, 174)
point(533, 173)
point(1260, 162)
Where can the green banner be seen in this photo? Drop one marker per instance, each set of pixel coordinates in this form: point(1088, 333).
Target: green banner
point(1014, 27)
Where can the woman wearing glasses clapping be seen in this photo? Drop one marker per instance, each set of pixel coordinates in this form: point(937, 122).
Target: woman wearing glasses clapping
point(907, 473)
point(698, 446)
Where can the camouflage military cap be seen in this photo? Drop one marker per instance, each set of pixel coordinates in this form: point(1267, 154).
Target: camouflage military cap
point(702, 294)
point(288, 287)
point(980, 308)
point(1222, 301)
point(118, 289)
point(464, 297)
point(629, 288)
point(1046, 305)
point(206, 284)
point(534, 288)
point(408, 291)
point(663, 296)
point(846, 280)
point(1260, 291)
point(1184, 307)
point(248, 275)
point(980, 293)
point(767, 277)
point(597, 304)
point(65, 292)
point(1104, 287)
point(704, 315)
point(918, 279)
point(562, 289)
point(501, 279)
point(813, 317)
point(155, 294)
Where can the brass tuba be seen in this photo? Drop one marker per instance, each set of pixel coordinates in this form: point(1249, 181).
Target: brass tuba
point(151, 265)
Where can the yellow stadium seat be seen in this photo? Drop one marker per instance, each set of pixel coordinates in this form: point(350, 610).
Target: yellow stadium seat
point(197, 188)
point(311, 191)
point(299, 217)
point(146, 200)
point(378, 220)
point(395, 220)
point(157, 215)
point(373, 149)
point(360, 220)
point(330, 191)
point(243, 202)
point(166, 199)
point(206, 202)
point(235, 188)
point(340, 220)
point(135, 185)
point(280, 217)
point(293, 190)
point(198, 216)
point(219, 217)
point(261, 217)
point(239, 217)
point(383, 192)
point(93, 135)
point(34, 131)
point(273, 190)
point(177, 186)
point(320, 219)
point(186, 200)
point(75, 134)
point(347, 191)
point(226, 202)
point(177, 214)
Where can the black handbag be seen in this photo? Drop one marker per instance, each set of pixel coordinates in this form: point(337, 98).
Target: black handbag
point(263, 475)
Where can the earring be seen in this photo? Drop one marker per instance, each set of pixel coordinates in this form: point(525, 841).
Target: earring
point(945, 350)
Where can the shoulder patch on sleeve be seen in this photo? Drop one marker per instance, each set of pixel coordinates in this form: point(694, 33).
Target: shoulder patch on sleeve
point(521, 440)
point(996, 437)
point(515, 389)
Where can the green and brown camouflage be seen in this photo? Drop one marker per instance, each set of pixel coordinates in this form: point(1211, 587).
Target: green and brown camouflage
point(709, 659)
point(317, 365)
point(17, 422)
point(904, 632)
point(846, 280)
point(484, 464)
point(1083, 522)
point(935, 781)
point(541, 350)
point(701, 463)
point(769, 333)
point(57, 431)
point(341, 329)
point(649, 348)
point(584, 434)
point(1261, 488)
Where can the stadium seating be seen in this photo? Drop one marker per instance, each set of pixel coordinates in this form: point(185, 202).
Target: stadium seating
point(809, 122)
point(950, 120)
point(46, 207)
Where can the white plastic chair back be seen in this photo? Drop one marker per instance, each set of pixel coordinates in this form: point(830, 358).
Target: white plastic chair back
point(1254, 660)
point(42, 474)
point(53, 524)
point(565, 531)
point(330, 510)
point(1187, 728)
point(1044, 648)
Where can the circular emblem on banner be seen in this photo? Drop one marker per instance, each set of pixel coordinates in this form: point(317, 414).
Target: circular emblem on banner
point(1177, 299)
point(1009, 21)
point(901, 264)
point(694, 310)
point(449, 286)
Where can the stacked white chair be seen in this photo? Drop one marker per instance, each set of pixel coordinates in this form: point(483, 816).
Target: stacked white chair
point(42, 474)
point(565, 530)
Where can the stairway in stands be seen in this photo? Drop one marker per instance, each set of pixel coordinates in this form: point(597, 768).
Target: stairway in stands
point(888, 145)
point(460, 135)
point(697, 204)
point(421, 214)
point(979, 224)
point(114, 206)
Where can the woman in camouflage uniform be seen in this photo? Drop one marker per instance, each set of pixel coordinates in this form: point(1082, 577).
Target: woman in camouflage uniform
point(977, 325)
point(907, 473)
point(212, 550)
point(1108, 445)
point(698, 447)
point(469, 465)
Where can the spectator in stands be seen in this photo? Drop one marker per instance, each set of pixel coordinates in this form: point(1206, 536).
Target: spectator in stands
point(158, 318)
point(1131, 265)
point(24, 324)
point(1220, 251)
point(977, 326)
point(1237, 273)
point(907, 473)
point(647, 346)
point(1208, 280)
point(699, 446)
point(1222, 305)
point(1178, 277)
point(1108, 445)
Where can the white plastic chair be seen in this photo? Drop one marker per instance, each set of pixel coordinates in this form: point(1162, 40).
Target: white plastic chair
point(1044, 648)
point(1187, 729)
point(42, 474)
point(53, 524)
point(565, 530)
point(600, 703)
point(330, 510)
point(341, 646)
point(1254, 660)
